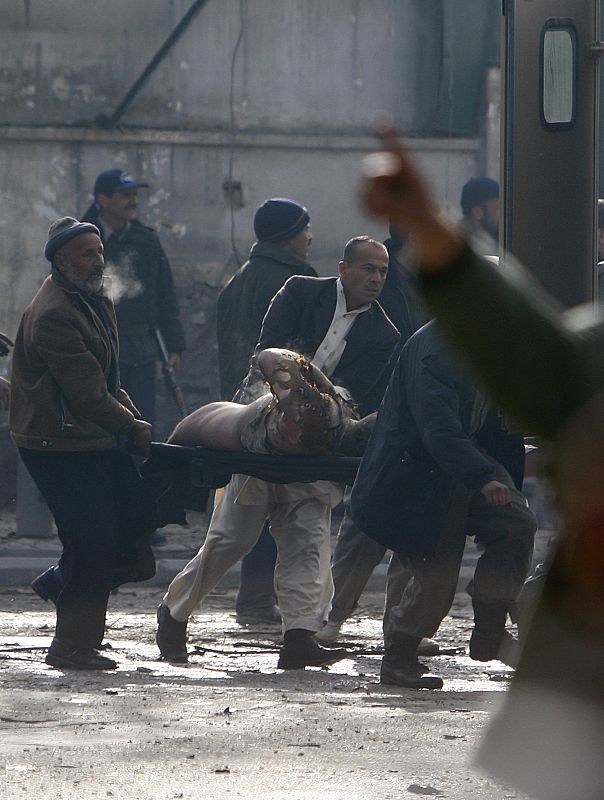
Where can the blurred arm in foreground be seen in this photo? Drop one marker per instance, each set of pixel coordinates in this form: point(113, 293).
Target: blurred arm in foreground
point(498, 323)
point(547, 738)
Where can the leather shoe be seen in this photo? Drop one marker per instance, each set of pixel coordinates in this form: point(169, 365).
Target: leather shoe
point(411, 675)
point(428, 647)
point(65, 657)
point(488, 647)
point(306, 652)
point(270, 615)
point(171, 636)
point(48, 585)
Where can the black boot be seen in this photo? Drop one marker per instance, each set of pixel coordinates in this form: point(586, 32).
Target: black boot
point(49, 584)
point(64, 656)
point(489, 639)
point(301, 650)
point(400, 666)
point(171, 636)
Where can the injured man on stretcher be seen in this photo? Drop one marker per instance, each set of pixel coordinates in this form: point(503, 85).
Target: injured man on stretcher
point(302, 414)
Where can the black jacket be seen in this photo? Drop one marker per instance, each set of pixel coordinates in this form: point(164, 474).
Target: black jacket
point(422, 446)
point(144, 286)
point(298, 318)
point(401, 299)
point(242, 305)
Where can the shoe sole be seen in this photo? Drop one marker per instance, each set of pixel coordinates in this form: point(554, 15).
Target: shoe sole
point(428, 650)
point(301, 665)
point(256, 621)
point(65, 663)
point(422, 682)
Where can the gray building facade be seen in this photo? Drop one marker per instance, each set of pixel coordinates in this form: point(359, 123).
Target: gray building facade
point(256, 98)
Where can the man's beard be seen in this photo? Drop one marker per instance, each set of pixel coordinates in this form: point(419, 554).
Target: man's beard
point(93, 284)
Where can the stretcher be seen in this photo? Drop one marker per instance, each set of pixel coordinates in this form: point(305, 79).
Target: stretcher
point(184, 476)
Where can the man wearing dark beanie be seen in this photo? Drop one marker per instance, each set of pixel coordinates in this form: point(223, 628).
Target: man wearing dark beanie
point(71, 419)
point(282, 229)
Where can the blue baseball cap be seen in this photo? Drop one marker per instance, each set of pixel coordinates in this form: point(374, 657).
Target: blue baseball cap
point(115, 180)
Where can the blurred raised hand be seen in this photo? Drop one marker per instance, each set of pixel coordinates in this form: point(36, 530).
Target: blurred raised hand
point(393, 188)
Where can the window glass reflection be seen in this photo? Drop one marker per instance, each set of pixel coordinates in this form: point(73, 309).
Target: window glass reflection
point(558, 76)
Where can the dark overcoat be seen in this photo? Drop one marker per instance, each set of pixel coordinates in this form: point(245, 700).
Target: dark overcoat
point(420, 450)
point(242, 305)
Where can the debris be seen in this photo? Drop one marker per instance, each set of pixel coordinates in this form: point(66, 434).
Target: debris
point(307, 744)
point(415, 788)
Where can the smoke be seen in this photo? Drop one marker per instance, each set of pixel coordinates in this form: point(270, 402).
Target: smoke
point(121, 281)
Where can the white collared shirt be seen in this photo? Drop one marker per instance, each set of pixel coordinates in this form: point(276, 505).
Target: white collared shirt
point(329, 352)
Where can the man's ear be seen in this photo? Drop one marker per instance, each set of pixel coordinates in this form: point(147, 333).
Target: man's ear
point(342, 266)
point(101, 200)
point(477, 214)
point(60, 261)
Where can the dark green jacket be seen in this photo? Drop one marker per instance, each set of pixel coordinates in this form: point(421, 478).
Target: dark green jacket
point(534, 363)
point(242, 305)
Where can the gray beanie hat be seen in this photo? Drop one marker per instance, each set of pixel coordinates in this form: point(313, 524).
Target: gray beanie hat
point(62, 231)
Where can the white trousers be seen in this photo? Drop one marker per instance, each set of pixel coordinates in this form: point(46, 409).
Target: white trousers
point(300, 517)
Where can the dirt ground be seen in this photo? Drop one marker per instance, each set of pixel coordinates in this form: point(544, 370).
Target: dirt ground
point(229, 724)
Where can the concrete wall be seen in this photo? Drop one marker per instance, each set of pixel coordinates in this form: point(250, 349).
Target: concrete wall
point(286, 111)
point(312, 65)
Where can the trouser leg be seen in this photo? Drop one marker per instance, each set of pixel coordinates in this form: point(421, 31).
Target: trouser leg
point(257, 586)
point(397, 578)
point(429, 593)
point(81, 492)
point(233, 531)
point(354, 558)
point(507, 534)
point(139, 380)
point(303, 572)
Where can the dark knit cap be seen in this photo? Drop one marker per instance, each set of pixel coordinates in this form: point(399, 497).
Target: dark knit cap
point(279, 219)
point(62, 231)
point(476, 192)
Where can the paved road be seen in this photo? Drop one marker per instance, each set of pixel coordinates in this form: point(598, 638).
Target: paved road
point(230, 724)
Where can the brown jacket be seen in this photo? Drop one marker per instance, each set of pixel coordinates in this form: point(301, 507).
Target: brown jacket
point(61, 360)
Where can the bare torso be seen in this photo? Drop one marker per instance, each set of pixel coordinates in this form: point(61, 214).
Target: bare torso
point(302, 415)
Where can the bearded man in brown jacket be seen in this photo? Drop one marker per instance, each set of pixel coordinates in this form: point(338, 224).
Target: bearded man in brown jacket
point(70, 419)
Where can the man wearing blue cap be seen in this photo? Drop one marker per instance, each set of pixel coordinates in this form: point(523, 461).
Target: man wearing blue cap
point(283, 232)
point(143, 290)
point(71, 419)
